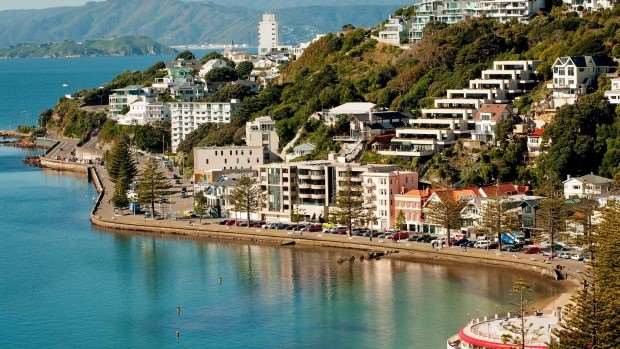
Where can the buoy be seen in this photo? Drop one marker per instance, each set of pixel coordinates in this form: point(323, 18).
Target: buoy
point(220, 280)
point(179, 310)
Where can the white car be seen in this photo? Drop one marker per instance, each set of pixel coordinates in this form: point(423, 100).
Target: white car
point(439, 242)
point(482, 244)
point(565, 255)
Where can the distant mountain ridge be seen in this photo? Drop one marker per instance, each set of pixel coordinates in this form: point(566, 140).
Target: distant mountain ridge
point(121, 46)
point(176, 22)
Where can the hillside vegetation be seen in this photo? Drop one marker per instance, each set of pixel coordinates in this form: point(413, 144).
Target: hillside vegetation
point(121, 46)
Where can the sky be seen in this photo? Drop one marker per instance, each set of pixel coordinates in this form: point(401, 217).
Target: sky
point(23, 4)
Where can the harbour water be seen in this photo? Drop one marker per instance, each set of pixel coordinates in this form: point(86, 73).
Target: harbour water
point(66, 284)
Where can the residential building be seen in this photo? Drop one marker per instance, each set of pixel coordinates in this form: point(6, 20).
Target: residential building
point(613, 95)
point(311, 187)
point(411, 204)
point(588, 186)
point(445, 196)
point(210, 65)
point(175, 76)
point(302, 150)
point(573, 76)
point(190, 91)
point(121, 98)
point(188, 116)
point(529, 206)
point(268, 34)
point(535, 143)
point(457, 116)
point(381, 185)
point(218, 192)
point(362, 109)
point(589, 5)
point(228, 158)
point(394, 31)
point(486, 120)
point(143, 112)
point(505, 11)
point(261, 132)
point(366, 126)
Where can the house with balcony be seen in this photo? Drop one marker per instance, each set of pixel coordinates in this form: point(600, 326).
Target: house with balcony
point(411, 204)
point(589, 5)
point(121, 98)
point(506, 11)
point(588, 186)
point(574, 76)
point(613, 95)
point(143, 112)
point(535, 143)
point(486, 119)
point(394, 31)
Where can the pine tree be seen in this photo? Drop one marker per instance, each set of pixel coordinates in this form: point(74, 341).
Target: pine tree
point(297, 214)
point(445, 213)
point(349, 205)
point(550, 219)
point(153, 186)
point(519, 332)
point(400, 220)
point(121, 186)
point(247, 197)
point(200, 206)
point(120, 163)
point(591, 320)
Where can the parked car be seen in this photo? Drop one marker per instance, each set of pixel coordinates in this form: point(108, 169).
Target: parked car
point(482, 244)
point(512, 248)
point(565, 255)
point(313, 228)
point(461, 242)
point(401, 235)
point(438, 242)
point(577, 257)
point(532, 250)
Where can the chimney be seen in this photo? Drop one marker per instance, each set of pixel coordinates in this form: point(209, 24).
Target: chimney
point(567, 177)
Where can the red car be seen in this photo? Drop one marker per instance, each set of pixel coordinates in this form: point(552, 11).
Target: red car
point(532, 250)
point(314, 228)
point(401, 235)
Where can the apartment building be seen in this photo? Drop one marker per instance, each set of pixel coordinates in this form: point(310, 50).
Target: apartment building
point(613, 95)
point(188, 116)
point(268, 34)
point(411, 204)
point(207, 159)
point(311, 187)
point(456, 116)
point(121, 98)
point(574, 75)
point(454, 11)
point(261, 132)
point(589, 5)
point(143, 112)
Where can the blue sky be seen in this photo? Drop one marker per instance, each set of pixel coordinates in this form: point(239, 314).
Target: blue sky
point(22, 4)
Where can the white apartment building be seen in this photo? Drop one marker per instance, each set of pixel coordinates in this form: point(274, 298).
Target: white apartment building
point(589, 5)
point(588, 186)
point(613, 95)
point(311, 187)
point(261, 132)
point(507, 10)
point(188, 116)
point(121, 98)
point(393, 31)
point(208, 159)
point(143, 113)
point(574, 75)
point(454, 117)
point(268, 34)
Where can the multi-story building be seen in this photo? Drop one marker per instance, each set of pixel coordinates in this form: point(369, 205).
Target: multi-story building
point(574, 75)
point(268, 34)
point(261, 132)
point(228, 158)
point(142, 112)
point(454, 117)
point(190, 91)
point(394, 31)
point(121, 98)
point(505, 11)
point(535, 143)
point(188, 116)
point(589, 5)
point(310, 188)
point(588, 186)
point(613, 95)
point(454, 11)
point(411, 204)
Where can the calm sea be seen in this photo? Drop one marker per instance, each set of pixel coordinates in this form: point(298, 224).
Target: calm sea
point(67, 285)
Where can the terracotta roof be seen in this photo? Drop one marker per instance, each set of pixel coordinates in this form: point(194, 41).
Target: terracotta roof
point(503, 189)
point(456, 194)
point(421, 193)
point(537, 132)
point(496, 110)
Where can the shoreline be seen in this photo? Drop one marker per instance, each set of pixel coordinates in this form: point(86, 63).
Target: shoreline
point(403, 251)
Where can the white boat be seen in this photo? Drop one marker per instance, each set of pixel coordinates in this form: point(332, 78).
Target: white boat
point(65, 85)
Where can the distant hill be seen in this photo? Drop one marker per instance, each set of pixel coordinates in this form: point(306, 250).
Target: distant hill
point(121, 46)
point(277, 4)
point(176, 22)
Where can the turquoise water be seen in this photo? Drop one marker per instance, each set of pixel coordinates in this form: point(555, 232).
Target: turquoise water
point(68, 285)
point(28, 86)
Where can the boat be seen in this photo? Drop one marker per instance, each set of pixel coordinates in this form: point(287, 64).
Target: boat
point(497, 332)
point(65, 85)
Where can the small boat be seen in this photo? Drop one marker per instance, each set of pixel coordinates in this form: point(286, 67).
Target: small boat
point(65, 85)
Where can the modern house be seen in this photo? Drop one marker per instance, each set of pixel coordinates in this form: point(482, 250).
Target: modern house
point(486, 120)
point(188, 116)
point(303, 150)
point(189, 91)
point(394, 31)
point(457, 115)
point(573, 76)
point(122, 98)
point(366, 126)
point(613, 95)
point(143, 112)
point(347, 110)
point(505, 11)
point(588, 186)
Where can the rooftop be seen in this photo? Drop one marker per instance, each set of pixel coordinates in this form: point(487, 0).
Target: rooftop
point(353, 108)
point(592, 179)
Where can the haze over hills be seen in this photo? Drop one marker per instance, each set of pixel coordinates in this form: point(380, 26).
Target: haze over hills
point(176, 22)
point(276, 4)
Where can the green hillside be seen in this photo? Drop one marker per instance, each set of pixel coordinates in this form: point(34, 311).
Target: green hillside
point(121, 46)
